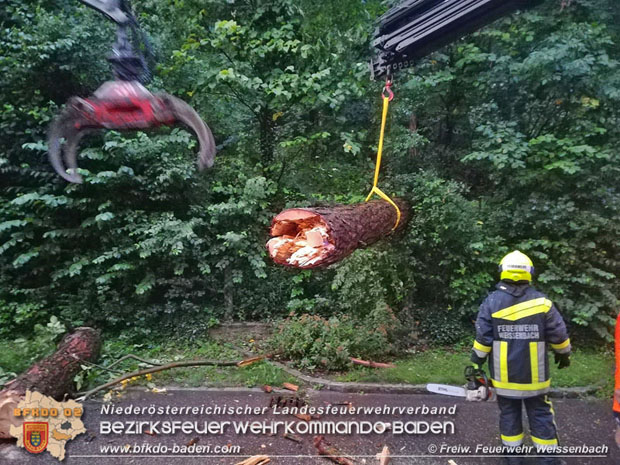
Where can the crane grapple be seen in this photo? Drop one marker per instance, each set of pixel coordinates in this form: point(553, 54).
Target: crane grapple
point(123, 104)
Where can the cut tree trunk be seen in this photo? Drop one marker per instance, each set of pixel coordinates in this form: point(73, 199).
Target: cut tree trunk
point(321, 236)
point(52, 376)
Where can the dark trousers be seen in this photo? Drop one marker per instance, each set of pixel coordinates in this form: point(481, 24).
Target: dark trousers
point(540, 415)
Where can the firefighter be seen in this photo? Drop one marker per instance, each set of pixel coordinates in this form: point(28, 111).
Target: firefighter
point(617, 390)
point(514, 326)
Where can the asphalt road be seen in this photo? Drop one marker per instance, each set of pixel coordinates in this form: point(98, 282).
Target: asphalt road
point(580, 422)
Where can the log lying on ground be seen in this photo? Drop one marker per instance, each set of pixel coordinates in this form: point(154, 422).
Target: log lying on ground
point(316, 237)
point(51, 376)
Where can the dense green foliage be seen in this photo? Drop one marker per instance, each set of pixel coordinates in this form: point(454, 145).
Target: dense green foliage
point(321, 343)
point(506, 139)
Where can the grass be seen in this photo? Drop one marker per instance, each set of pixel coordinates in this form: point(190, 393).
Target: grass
point(588, 367)
point(256, 374)
point(158, 350)
point(443, 366)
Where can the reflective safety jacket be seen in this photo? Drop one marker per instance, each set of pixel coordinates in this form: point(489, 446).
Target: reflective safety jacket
point(617, 391)
point(513, 327)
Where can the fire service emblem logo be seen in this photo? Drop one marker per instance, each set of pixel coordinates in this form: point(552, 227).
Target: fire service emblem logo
point(35, 436)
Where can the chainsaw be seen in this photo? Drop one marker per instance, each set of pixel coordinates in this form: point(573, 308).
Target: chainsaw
point(477, 388)
point(123, 104)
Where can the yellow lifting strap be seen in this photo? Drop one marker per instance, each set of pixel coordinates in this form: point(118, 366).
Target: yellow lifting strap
point(375, 189)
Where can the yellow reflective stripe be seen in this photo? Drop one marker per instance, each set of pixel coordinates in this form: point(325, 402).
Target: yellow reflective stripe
point(561, 345)
point(521, 387)
point(548, 402)
point(503, 361)
point(531, 307)
point(482, 347)
point(534, 361)
point(519, 307)
point(518, 437)
point(545, 442)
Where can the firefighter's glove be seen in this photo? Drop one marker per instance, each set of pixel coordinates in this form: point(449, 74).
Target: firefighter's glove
point(563, 360)
point(477, 361)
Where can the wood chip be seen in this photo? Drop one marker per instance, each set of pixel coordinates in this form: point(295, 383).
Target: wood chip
point(290, 387)
point(292, 437)
point(384, 456)
point(331, 452)
point(267, 388)
point(255, 460)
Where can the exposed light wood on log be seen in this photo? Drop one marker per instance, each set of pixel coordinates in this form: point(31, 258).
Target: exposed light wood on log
point(317, 237)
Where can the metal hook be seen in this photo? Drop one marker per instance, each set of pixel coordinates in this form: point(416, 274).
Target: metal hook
point(388, 89)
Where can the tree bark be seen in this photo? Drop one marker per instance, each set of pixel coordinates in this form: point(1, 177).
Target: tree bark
point(317, 237)
point(51, 376)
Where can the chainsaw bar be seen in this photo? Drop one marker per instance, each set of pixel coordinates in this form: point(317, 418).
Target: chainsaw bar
point(447, 390)
point(121, 106)
point(481, 393)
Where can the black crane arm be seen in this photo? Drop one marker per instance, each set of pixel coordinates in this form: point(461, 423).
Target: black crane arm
point(416, 28)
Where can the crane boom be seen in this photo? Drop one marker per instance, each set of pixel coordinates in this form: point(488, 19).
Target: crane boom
point(416, 28)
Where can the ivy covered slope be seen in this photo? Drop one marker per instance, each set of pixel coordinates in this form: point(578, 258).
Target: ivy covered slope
point(506, 139)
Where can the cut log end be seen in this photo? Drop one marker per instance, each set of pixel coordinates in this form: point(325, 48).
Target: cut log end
point(301, 238)
point(318, 237)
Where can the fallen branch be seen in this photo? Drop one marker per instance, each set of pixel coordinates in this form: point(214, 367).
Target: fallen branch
point(250, 361)
point(316, 237)
point(146, 371)
point(367, 363)
point(134, 357)
point(330, 452)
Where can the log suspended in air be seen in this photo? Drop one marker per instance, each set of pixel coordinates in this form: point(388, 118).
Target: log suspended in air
point(316, 237)
point(52, 376)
